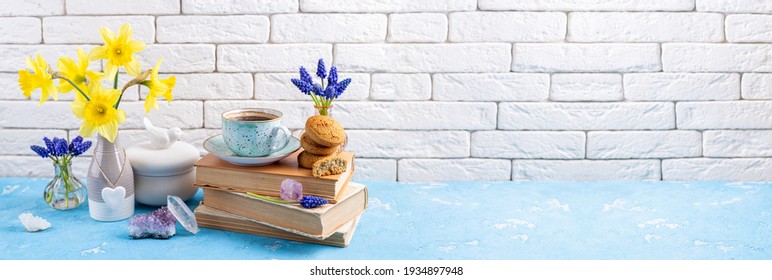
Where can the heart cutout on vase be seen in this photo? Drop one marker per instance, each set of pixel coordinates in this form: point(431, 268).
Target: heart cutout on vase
point(113, 196)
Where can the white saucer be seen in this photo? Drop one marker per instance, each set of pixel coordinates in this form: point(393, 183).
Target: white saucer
point(216, 145)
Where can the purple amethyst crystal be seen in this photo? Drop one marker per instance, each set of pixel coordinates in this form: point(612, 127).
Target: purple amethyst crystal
point(159, 224)
point(291, 190)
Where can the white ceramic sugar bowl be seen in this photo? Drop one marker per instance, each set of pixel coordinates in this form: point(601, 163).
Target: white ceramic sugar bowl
point(163, 166)
point(162, 172)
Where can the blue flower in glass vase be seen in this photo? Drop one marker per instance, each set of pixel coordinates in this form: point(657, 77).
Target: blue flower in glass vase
point(326, 91)
point(65, 191)
point(342, 86)
point(49, 144)
point(304, 76)
point(333, 78)
point(302, 86)
point(78, 147)
point(60, 147)
point(42, 152)
point(320, 71)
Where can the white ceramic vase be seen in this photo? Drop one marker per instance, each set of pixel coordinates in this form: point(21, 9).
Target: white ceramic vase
point(117, 202)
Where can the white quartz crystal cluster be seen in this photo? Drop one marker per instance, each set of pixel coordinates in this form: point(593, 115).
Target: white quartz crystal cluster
point(33, 223)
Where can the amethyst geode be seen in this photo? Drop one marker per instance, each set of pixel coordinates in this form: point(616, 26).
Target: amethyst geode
point(159, 224)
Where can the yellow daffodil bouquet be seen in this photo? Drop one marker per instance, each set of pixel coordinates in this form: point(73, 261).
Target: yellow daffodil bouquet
point(96, 105)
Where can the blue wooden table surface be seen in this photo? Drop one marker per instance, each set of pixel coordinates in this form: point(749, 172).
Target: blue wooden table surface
point(469, 220)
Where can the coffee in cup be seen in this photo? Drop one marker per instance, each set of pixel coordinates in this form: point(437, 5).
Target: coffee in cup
point(254, 132)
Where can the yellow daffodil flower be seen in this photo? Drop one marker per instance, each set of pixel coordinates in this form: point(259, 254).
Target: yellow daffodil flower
point(77, 73)
point(98, 114)
point(38, 78)
point(158, 88)
point(118, 51)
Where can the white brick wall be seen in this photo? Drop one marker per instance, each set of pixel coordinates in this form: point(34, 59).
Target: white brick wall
point(645, 27)
point(20, 30)
point(482, 57)
point(401, 86)
point(724, 115)
point(212, 29)
point(355, 28)
point(586, 87)
point(418, 27)
point(589, 5)
point(32, 8)
point(643, 144)
point(442, 89)
point(491, 87)
point(681, 86)
point(681, 57)
point(237, 7)
point(757, 86)
point(734, 6)
point(586, 170)
point(743, 169)
point(528, 144)
point(737, 143)
point(274, 86)
point(120, 7)
point(586, 58)
point(58, 30)
point(510, 27)
point(586, 116)
point(748, 28)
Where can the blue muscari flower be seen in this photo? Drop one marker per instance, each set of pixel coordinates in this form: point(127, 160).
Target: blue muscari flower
point(317, 89)
point(333, 78)
point(320, 71)
point(302, 86)
point(74, 143)
point(310, 201)
point(341, 87)
point(42, 152)
point(304, 76)
point(60, 147)
point(329, 92)
point(49, 144)
point(80, 148)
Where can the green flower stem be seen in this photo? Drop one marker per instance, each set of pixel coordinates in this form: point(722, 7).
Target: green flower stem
point(270, 199)
point(115, 86)
point(76, 87)
point(115, 81)
point(64, 173)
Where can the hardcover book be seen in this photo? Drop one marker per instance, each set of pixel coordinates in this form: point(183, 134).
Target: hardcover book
point(214, 173)
point(319, 223)
point(216, 219)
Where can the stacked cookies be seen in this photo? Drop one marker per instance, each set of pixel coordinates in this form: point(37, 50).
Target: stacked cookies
point(321, 144)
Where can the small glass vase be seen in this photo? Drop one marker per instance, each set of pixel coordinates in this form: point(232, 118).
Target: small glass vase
point(65, 191)
point(323, 110)
point(327, 111)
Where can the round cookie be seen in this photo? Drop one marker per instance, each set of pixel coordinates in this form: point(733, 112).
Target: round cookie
point(307, 160)
point(325, 131)
point(314, 148)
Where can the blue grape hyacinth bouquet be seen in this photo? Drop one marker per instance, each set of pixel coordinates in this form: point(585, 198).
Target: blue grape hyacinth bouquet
point(322, 93)
point(60, 151)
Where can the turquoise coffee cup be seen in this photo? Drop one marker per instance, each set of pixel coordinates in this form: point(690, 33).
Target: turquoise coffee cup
point(254, 132)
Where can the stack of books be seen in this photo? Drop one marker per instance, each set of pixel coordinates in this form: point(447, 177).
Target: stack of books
point(227, 207)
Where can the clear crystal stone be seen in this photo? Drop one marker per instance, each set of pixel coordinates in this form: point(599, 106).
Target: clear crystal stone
point(183, 214)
